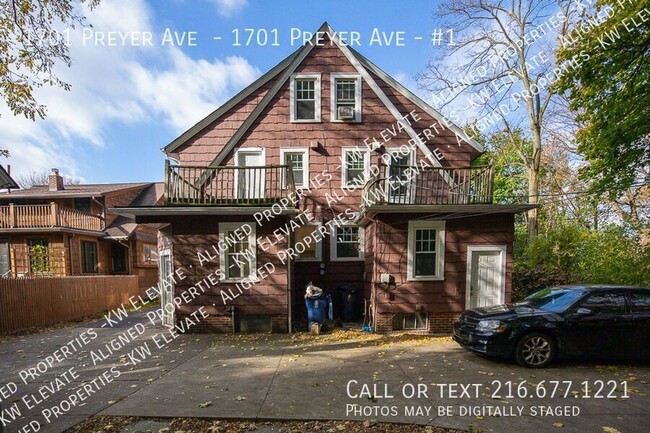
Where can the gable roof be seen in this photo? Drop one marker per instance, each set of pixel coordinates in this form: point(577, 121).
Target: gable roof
point(288, 67)
point(6, 181)
point(85, 190)
point(231, 103)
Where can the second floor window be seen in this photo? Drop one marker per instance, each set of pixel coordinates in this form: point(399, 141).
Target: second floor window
point(346, 98)
point(355, 166)
point(82, 204)
point(305, 98)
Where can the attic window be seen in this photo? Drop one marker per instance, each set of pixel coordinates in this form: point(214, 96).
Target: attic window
point(305, 97)
point(346, 98)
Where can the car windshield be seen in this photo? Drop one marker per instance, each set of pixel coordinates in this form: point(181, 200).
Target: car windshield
point(554, 300)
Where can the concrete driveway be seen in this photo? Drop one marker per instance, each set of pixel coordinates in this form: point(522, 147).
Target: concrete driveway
point(344, 375)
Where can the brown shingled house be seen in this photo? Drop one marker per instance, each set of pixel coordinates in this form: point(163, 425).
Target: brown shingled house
point(326, 169)
point(57, 230)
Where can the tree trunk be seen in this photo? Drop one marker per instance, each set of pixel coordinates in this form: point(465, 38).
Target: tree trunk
point(533, 181)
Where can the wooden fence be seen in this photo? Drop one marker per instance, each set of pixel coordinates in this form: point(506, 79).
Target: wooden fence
point(27, 302)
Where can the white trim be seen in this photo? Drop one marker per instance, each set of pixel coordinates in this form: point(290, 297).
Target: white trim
point(318, 239)
point(439, 226)
point(366, 166)
point(357, 96)
point(238, 152)
point(317, 97)
point(252, 245)
point(333, 256)
point(305, 163)
point(502, 250)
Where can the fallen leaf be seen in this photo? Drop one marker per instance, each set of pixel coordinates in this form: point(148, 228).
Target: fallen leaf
point(206, 404)
point(610, 430)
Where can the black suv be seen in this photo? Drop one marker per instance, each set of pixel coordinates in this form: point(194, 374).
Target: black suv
point(588, 321)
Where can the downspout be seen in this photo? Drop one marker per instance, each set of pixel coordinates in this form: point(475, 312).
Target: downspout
point(289, 283)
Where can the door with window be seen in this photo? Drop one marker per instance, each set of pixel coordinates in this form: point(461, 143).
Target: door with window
point(166, 289)
point(250, 179)
point(486, 282)
point(398, 180)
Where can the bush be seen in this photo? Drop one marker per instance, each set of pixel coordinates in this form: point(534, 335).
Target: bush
point(572, 254)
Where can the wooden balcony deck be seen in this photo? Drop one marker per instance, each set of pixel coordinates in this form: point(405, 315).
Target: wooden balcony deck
point(47, 216)
point(411, 185)
point(228, 185)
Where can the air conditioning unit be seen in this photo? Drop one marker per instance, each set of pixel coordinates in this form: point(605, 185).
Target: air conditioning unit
point(345, 113)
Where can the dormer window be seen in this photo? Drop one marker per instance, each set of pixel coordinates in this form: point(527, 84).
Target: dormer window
point(305, 97)
point(346, 98)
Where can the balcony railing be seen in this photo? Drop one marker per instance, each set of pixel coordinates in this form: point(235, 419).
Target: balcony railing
point(47, 216)
point(228, 185)
point(431, 186)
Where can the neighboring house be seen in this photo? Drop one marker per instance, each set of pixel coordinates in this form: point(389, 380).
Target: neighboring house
point(61, 230)
point(283, 184)
point(6, 182)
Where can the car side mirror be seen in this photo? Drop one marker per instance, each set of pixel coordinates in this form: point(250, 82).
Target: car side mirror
point(582, 311)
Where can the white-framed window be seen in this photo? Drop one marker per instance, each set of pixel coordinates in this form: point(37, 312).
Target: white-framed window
point(239, 260)
point(308, 243)
point(345, 95)
point(355, 167)
point(426, 250)
point(346, 243)
point(304, 93)
point(299, 159)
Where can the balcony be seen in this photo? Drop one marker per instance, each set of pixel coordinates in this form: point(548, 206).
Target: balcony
point(228, 185)
point(411, 185)
point(40, 216)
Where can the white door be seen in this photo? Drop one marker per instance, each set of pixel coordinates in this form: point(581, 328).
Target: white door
point(250, 182)
point(486, 277)
point(166, 289)
point(398, 181)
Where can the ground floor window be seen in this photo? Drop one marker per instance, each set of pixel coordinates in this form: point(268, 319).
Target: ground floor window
point(149, 254)
point(252, 323)
point(239, 259)
point(426, 248)
point(119, 256)
point(346, 243)
point(39, 256)
point(402, 321)
point(89, 257)
point(308, 243)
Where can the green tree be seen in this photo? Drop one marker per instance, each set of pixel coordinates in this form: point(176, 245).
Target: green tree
point(31, 45)
point(610, 92)
point(510, 176)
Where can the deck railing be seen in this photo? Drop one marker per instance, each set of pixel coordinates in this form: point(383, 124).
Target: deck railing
point(47, 215)
point(431, 185)
point(228, 185)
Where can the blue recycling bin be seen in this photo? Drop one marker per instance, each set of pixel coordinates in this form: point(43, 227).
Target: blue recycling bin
point(319, 309)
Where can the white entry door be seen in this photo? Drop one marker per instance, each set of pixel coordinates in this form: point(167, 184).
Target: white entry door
point(166, 289)
point(250, 181)
point(485, 276)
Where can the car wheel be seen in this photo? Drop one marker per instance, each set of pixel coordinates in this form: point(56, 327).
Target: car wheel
point(535, 350)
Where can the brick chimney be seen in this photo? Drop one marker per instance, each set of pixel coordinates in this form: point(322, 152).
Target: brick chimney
point(54, 180)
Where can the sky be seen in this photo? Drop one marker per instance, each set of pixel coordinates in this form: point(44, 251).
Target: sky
point(148, 70)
